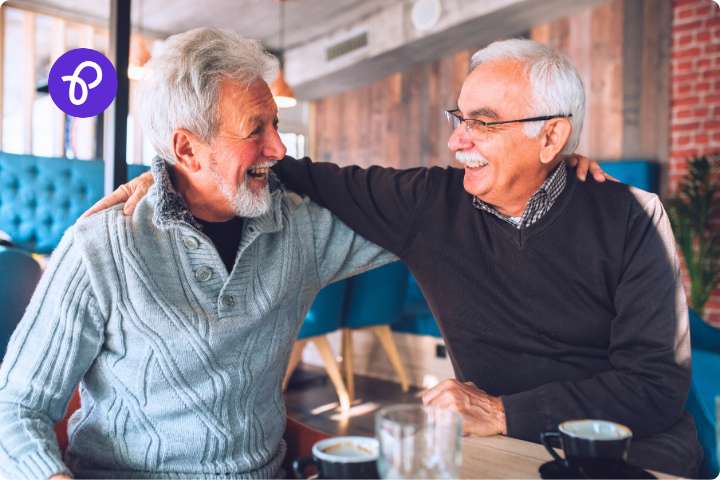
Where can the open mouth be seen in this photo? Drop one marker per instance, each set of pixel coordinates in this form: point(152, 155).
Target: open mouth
point(258, 173)
point(475, 164)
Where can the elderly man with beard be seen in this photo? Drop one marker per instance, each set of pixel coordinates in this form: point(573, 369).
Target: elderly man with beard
point(557, 299)
point(178, 322)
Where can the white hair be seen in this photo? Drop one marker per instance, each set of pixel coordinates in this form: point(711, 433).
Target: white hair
point(557, 87)
point(180, 87)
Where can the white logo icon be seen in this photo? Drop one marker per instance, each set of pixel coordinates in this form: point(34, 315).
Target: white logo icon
point(83, 86)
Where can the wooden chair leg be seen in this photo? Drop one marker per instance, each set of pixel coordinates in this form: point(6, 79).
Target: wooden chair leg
point(333, 370)
point(388, 342)
point(347, 355)
point(295, 357)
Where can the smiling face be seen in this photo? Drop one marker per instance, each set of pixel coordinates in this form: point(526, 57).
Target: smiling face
point(228, 177)
point(246, 146)
point(502, 168)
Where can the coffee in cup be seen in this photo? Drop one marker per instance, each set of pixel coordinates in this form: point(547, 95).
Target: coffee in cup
point(341, 457)
point(593, 448)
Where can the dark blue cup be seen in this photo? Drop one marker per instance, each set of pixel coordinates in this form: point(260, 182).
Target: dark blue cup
point(593, 448)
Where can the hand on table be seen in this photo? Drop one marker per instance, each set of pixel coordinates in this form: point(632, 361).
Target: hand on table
point(483, 415)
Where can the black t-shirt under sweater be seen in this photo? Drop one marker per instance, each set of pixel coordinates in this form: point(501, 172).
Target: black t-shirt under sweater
point(580, 315)
point(226, 237)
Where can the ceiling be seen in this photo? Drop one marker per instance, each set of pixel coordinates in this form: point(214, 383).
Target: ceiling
point(305, 20)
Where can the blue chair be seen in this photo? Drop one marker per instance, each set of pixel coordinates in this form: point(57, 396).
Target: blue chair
point(324, 317)
point(641, 174)
point(19, 275)
point(706, 429)
point(41, 197)
point(705, 342)
point(375, 301)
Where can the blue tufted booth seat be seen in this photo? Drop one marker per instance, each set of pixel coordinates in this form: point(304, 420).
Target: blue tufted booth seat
point(41, 197)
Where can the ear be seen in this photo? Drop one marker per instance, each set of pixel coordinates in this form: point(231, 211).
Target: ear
point(186, 148)
point(554, 136)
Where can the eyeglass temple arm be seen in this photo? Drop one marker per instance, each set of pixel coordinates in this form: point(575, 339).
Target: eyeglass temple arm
point(534, 119)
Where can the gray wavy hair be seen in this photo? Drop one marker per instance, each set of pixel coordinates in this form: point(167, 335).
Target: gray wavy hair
point(180, 87)
point(557, 86)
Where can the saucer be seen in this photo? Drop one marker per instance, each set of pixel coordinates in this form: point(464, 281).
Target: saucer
point(555, 469)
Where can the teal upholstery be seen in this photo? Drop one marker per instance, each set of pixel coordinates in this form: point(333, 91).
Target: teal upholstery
point(416, 316)
point(705, 342)
point(41, 197)
point(638, 173)
point(706, 429)
point(19, 275)
point(326, 311)
point(377, 296)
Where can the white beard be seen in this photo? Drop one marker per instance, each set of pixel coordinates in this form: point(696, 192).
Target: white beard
point(244, 202)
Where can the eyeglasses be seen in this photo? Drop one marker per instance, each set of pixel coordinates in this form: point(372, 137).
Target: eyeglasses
point(478, 130)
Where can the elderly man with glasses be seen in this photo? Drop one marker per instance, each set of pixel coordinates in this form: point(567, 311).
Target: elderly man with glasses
point(557, 299)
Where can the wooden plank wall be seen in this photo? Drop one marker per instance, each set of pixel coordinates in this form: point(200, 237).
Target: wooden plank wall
point(620, 49)
point(396, 122)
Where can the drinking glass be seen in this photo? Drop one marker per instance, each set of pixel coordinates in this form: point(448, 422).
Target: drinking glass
point(419, 442)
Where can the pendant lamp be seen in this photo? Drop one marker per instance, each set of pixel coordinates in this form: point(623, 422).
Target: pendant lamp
point(139, 54)
point(281, 91)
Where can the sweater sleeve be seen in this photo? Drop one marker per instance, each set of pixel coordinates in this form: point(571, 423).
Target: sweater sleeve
point(378, 203)
point(340, 252)
point(51, 349)
point(649, 345)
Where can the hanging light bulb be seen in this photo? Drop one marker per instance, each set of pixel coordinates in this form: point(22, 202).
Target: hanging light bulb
point(281, 91)
point(139, 54)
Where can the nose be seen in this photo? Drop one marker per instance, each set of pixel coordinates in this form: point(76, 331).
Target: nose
point(274, 148)
point(460, 140)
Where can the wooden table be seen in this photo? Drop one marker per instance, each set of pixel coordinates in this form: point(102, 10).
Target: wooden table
point(503, 457)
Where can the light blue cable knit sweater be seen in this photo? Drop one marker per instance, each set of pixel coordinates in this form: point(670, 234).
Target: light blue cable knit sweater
point(180, 375)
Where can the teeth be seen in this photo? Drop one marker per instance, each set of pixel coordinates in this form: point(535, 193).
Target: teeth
point(475, 163)
point(259, 171)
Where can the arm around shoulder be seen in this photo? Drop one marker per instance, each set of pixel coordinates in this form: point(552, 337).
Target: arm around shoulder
point(378, 203)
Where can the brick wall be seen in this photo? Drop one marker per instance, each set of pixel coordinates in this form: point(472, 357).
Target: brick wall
point(695, 94)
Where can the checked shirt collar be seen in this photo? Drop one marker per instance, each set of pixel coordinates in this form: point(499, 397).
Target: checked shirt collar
point(539, 204)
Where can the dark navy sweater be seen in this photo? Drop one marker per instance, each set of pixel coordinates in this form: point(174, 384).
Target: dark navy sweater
point(580, 315)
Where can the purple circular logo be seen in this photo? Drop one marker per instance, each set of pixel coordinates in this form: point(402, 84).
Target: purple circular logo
point(82, 82)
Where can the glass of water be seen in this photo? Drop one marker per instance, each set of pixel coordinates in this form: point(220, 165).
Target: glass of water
point(419, 442)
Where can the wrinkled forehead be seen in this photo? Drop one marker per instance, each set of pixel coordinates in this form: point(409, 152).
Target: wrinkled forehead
point(241, 103)
point(499, 86)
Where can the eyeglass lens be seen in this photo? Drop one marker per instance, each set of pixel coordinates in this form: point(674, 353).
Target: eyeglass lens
point(476, 130)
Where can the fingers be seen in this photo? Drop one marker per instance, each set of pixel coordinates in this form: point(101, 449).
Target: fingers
point(432, 393)
point(118, 196)
point(583, 164)
point(98, 207)
point(132, 202)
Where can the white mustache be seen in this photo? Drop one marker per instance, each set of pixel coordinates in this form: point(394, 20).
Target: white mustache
point(267, 164)
point(465, 157)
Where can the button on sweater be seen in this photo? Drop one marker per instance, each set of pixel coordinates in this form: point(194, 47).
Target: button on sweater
point(180, 364)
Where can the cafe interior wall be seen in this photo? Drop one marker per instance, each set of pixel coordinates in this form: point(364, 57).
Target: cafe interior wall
point(623, 50)
point(695, 96)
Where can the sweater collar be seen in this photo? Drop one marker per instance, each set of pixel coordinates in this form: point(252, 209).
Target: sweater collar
point(171, 209)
